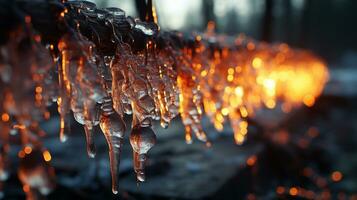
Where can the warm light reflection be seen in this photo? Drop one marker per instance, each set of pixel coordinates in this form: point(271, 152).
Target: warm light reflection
point(5, 117)
point(336, 176)
point(47, 156)
point(293, 191)
point(252, 160)
point(27, 150)
point(235, 82)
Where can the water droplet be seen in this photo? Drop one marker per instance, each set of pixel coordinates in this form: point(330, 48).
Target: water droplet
point(142, 139)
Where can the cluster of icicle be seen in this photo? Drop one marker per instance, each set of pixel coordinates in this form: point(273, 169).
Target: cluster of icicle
point(99, 91)
point(226, 81)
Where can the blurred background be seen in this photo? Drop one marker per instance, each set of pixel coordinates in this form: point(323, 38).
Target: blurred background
point(310, 153)
point(325, 26)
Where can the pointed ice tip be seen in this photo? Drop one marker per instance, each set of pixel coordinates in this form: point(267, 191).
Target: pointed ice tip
point(115, 191)
point(140, 177)
point(91, 150)
point(164, 125)
point(91, 154)
point(63, 138)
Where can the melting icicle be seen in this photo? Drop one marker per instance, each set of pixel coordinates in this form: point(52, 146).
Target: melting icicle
point(142, 139)
point(63, 100)
point(113, 127)
point(90, 117)
point(64, 118)
point(91, 150)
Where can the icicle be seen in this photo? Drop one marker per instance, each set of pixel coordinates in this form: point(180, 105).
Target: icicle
point(63, 106)
point(142, 139)
point(91, 150)
point(65, 127)
point(113, 127)
point(116, 88)
point(90, 117)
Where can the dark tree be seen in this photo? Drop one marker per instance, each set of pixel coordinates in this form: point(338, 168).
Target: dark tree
point(141, 9)
point(288, 21)
point(267, 22)
point(305, 23)
point(208, 12)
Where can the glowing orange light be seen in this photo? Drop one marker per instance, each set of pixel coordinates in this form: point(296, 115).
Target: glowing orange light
point(238, 138)
point(5, 117)
point(27, 149)
point(293, 191)
point(336, 176)
point(257, 62)
point(309, 100)
point(258, 81)
point(225, 111)
point(251, 160)
point(203, 73)
point(19, 126)
point(251, 46)
point(270, 104)
point(21, 154)
point(243, 112)
point(47, 156)
point(38, 89)
point(239, 91)
point(26, 188)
